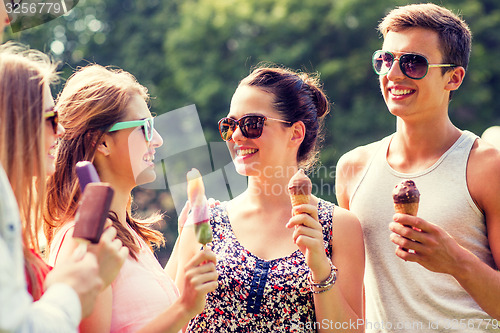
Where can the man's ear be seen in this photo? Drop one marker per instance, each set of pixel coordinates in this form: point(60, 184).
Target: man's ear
point(298, 133)
point(103, 148)
point(456, 78)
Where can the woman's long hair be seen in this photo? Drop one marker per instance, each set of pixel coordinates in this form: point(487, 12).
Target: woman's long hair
point(93, 99)
point(24, 74)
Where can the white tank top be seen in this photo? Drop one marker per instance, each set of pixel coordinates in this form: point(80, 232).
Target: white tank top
point(404, 296)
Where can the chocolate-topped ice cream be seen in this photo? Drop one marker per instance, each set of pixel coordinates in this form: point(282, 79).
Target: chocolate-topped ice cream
point(300, 188)
point(406, 197)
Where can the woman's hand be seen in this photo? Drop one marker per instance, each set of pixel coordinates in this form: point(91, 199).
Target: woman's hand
point(308, 235)
point(200, 278)
point(110, 253)
point(80, 272)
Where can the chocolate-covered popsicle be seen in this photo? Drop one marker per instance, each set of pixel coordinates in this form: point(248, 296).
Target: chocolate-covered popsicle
point(93, 212)
point(86, 173)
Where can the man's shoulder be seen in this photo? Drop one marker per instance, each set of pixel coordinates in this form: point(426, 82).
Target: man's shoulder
point(485, 156)
point(359, 156)
point(350, 167)
point(483, 168)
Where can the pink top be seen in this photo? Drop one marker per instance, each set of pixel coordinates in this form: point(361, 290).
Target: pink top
point(141, 291)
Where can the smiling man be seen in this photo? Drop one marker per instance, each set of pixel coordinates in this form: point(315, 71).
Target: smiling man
point(439, 270)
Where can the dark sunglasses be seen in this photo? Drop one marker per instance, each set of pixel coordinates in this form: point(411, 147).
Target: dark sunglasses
point(52, 116)
point(251, 126)
point(414, 66)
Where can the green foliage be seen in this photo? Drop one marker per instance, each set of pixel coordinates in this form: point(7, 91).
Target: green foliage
point(196, 51)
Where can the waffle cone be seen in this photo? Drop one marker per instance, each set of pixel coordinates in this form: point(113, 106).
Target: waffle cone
point(299, 199)
point(407, 208)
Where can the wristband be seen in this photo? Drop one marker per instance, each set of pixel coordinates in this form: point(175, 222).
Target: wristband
point(323, 285)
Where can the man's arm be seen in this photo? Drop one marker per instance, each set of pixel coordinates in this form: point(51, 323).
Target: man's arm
point(483, 180)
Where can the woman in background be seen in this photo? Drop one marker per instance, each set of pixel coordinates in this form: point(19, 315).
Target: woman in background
point(28, 131)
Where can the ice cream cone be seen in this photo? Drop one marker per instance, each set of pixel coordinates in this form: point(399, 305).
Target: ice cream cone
point(299, 199)
point(406, 198)
point(406, 208)
point(299, 188)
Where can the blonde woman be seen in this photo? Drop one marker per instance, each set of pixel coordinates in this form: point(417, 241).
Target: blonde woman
point(108, 123)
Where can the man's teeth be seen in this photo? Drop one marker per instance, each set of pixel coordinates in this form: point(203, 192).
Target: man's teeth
point(149, 158)
point(247, 151)
point(400, 92)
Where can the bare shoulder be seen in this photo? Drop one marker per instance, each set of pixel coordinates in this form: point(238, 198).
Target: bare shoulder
point(349, 171)
point(484, 161)
point(359, 156)
point(484, 150)
point(483, 169)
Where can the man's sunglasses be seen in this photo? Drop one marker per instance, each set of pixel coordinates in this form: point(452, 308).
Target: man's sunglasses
point(52, 116)
point(251, 126)
point(414, 66)
point(147, 126)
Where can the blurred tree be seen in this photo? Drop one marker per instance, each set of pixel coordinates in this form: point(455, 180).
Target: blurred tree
point(196, 51)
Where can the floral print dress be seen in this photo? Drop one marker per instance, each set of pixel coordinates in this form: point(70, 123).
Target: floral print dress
point(256, 295)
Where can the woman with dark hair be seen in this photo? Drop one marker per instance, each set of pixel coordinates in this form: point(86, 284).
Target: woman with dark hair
point(281, 268)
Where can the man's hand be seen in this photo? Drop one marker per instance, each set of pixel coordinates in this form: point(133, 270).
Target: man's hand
point(425, 243)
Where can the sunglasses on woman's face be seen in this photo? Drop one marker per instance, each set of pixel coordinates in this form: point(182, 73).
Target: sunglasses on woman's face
point(52, 116)
point(147, 127)
point(251, 126)
point(414, 66)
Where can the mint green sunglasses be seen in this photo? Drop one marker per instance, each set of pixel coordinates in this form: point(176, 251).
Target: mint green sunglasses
point(147, 126)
